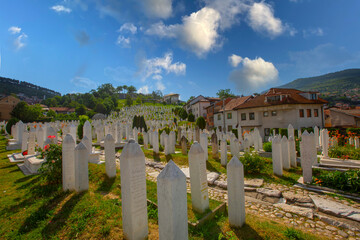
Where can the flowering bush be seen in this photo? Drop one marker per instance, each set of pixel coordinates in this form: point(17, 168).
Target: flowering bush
point(346, 181)
point(51, 170)
point(345, 152)
point(253, 163)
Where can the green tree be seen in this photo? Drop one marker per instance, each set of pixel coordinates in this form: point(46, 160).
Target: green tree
point(225, 93)
point(51, 113)
point(129, 100)
point(200, 122)
point(182, 113)
point(131, 89)
point(26, 113)
point(100, 108)
point(191, 117)
point(80, 110)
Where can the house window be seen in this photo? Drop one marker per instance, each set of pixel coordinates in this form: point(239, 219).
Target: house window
point(229, 116)
point(301, 113)
point(308, 113)
point(316, 112)
point(229, 128)
point(273, 113)
point(219, 117)
point(265, 114)
point(267, 131)
point(313, 96)
point(220, 128)
point(252, 116)
point(243, 116)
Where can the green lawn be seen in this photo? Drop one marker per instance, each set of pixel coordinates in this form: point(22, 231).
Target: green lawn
point(31, 209)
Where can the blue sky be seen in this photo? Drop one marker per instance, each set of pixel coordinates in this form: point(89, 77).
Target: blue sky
point(186, 47)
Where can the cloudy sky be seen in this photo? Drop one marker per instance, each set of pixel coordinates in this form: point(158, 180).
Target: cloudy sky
point(189, 47)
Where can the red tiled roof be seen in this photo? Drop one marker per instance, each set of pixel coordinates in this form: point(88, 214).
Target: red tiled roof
point(292, 97)
point(62, 109)
point(235, 102)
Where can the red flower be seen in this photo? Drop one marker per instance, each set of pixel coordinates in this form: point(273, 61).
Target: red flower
point(24, 153)
point(52, 136)
point(46, 147)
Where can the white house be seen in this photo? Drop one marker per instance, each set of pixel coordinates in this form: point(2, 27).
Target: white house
point(172, 98)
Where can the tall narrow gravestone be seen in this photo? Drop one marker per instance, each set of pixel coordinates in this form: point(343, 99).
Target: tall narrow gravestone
point(110, 162)
point(285, 153)
point(204, 144)
point(183, 145)
point(214, 146)
point(277, 156)
point(81, 168)
point(31, 144)
point(172, 203)
point(223, 149)
point(236, 193)
point(292, 149)
point(198, 178)
point(306, 149)
point(155, 141)
point(133, 192)
point(68, 163)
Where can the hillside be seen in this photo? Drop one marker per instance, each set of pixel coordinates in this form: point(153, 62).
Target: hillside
point(342, 86)
point(8, 86)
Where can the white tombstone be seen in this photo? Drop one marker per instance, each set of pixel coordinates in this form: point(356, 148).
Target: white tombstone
point(24, 141)
point(292, 149)
point(198, 178)
point(316, 133)
point(325, 143)
point(110, 162)
point(72, 131)
point(172, 203)
point(172, 138)
point(285, 150)
point(81, 168)
point(223, 149)
point(146, 140)
point(31, 144)
point(204, 144)
point(356, 142)
point(87, 143)
point(236, 193)
point(68, 163)
point(166, 141)
point(133, 191)
point(307, 147)
point(277, 156)
point(155, 141)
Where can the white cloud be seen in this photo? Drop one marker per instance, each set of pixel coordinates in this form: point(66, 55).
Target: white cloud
point(198, 32)
point(157, 8)
point(60, 9)
point(84, 82)
point(254, 74)
point(143, 90)
point(14, 30)
point(19, 42)
point(319, 32)
point(261, 19)
point(123, 41)
point(235, 60)
point(157, 77)
point(128, 27)
point(160, 86)
point(155, 67)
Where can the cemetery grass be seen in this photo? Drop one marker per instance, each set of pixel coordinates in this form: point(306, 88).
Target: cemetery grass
point(31, 209)
point(289, 177)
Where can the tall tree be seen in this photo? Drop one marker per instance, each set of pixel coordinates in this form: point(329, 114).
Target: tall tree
point(225, 93)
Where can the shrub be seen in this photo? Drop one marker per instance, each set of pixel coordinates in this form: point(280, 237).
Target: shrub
point(344, 152)
point(191, 117)
point(80, 129)
point(253, 163)
point(267, 146)
point(10, 123)
point(283, 132)
point(51, 169)
point(140, 139)
point(346, 181)
point(200, 122)
point(235, 131)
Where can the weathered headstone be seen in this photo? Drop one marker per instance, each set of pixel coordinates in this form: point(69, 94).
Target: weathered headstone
point(68, 163)
point(31, 144)
point(183, 145)
point(223, 149)
point(277, 156)
point(133, 191)
point(198, 178)
point(236, 193)
point(110, 162)
point(292, 149)
point(172, 203)
point(285, 151)
point(155, 141)
point(204, 144)
point(306, 149)
point(81, 168)
point(214, 146)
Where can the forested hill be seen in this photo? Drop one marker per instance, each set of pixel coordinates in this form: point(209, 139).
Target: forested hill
point(337, 82)
point(8, 86)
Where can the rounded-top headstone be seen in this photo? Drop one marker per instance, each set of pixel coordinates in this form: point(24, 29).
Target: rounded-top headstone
point(109, 137)
point(196, 148)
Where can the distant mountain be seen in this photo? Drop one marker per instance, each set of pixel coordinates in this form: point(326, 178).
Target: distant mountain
point(8, 86)
point(337, 82)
